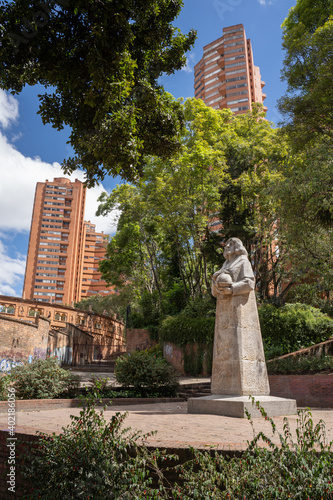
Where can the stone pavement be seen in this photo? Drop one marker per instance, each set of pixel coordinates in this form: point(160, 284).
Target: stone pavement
point(174, 427)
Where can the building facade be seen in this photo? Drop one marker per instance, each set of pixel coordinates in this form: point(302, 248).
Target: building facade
point(226, 76)
point(31, 329)
point(64, 250)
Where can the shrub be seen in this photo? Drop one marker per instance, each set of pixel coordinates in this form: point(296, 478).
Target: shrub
point(146, 373)
point(4, 384)
point(42, 379)
point(91, 459)
point(292, 327)
point(301, 469)
point(301, 364)
point(313, 295)
point(183, 329)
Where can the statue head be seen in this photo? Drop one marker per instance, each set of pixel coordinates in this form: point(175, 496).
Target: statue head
point(234, 247)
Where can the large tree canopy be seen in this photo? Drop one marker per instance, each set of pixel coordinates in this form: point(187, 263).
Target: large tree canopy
point(100, 62)
point(308, 69)
point(306, 189)
point(168, 236)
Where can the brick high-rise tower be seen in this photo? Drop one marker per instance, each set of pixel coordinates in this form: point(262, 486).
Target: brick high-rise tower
point(226, 77)
point(61, 244)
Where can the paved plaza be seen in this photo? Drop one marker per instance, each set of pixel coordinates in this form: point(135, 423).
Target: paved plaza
point(174, 427)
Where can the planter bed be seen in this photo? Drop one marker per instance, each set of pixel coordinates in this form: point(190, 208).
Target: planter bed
point(53, 404)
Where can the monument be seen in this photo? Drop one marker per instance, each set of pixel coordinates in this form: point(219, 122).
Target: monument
point(239, 368)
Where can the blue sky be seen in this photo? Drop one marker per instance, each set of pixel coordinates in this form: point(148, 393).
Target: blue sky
point(31, 152)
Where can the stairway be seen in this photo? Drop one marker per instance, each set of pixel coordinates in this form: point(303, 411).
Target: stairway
point(196, 390)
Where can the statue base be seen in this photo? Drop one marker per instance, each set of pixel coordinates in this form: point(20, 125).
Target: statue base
point(234, 406)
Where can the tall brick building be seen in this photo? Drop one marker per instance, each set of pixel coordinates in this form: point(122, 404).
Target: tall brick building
point(226, 76)
point(64, 250)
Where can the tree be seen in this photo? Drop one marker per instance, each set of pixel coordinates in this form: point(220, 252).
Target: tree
point(160, 236)
point(254, 154)
point(305, 189)
point(308, 68)
point(306, 211)
point(165, 240)
point(101, 62)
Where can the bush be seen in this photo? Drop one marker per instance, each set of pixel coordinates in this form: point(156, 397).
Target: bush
point(91, 459)
point(42, 379)
point(4, 385)
point(146, 373)
point(292, 327)
point(301, 364)
point(183, 329)
point(301, 469)
point(313, 295)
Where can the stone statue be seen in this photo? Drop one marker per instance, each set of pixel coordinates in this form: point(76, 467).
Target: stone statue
point(236, 275)
point(239, 366)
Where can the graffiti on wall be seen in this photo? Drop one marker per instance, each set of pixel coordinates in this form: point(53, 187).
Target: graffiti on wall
point(7, 364)
point(39, 353)
point(64, 354)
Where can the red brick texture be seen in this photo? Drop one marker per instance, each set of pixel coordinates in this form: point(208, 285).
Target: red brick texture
point(315, 391)
point(138, 339)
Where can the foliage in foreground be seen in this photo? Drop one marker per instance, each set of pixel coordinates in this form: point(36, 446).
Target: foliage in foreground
point(99, 460)
point(299, 469)
point(146, 373)
point(91, 459)
point(41, 379)
point(100, 63)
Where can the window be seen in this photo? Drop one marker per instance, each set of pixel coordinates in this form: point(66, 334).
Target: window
point(213, 73)
point(240, 70)
point(232, 37)
point(236, 79)
point(236, 86)
point(233, 44)
point(234, 64)
point(239, 92)
point(6, 309)
point(45, 287)
point(212, 94)
point(213, 46)
point(34, 313)
point(234, 50)
point(211, 80)
point(234, 58)
point(242, 108)
point(214, 100)
point(48, 294)
point(237, 101)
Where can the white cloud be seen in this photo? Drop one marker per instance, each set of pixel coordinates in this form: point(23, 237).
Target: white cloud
point(11, 271)
point(8, 109)
point(19, 175)
point(189, 60)
point(266, 2)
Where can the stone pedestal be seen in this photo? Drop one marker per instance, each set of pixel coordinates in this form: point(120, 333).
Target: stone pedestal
point(234, 406)
point(239, 366)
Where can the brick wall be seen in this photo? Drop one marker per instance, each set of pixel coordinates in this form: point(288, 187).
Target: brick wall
point(175, 356)
point(315, 391)
point(138, 339)
point(21, 339)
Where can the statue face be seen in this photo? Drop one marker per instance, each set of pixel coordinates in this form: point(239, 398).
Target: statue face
point(229, 248)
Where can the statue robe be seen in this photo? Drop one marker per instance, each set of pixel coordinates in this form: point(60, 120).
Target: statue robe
point(239, 366)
